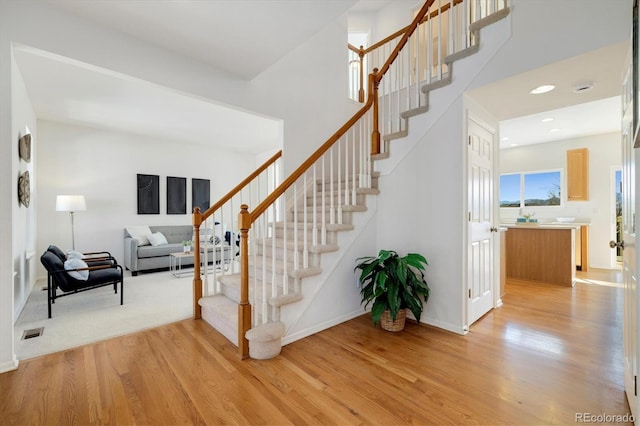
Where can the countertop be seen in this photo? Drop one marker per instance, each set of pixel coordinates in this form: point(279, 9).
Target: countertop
point(549, 225)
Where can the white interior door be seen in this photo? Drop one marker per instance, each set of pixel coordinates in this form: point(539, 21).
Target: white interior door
point(629, 252)
point(482, 232)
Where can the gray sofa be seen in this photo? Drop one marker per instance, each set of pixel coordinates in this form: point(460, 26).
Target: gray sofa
point(147, 257)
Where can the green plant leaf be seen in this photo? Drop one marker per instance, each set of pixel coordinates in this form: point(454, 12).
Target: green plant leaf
point(393, 282)
point(379, 306)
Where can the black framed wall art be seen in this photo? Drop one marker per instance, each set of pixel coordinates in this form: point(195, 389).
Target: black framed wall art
point(200, 194)
point(148, 194)
point(176, 195)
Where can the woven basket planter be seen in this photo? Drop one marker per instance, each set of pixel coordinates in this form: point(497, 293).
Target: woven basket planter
point(387, 324)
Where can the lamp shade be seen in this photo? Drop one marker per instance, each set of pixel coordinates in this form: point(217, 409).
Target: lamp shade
point(70, 203)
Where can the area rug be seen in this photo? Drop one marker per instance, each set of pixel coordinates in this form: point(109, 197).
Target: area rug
point(150, 300)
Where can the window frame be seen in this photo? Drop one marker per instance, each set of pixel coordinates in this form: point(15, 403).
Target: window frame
point(522, 175)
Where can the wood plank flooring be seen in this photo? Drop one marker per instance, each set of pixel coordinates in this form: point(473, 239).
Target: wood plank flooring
point(550, 352)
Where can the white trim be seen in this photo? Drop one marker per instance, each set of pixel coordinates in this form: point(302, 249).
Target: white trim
point(445, 326)
point(320, 327)
point(9, 366)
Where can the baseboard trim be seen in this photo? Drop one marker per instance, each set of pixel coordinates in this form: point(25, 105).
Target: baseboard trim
point(458, 329)
point(319, 327)
point(9, 366)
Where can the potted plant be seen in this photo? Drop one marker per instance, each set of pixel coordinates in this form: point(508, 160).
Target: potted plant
point(393, 284)
point(186, 246)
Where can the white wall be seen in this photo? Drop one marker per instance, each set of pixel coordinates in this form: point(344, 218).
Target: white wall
point(24, 223)
point(420, 210)
point(307, 89)
point(8, 173)
point(604, 154)
point(102, 166)
point(571, 28)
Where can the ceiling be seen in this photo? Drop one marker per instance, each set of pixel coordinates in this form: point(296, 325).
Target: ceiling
point(240, 37)
point(587, 112)
point(246, 37)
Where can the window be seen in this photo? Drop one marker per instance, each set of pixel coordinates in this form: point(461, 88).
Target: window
point(530, 189)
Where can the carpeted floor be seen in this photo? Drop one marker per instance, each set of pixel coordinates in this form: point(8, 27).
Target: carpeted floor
point(150, 300)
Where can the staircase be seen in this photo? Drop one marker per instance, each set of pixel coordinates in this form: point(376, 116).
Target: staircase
point(314, 213)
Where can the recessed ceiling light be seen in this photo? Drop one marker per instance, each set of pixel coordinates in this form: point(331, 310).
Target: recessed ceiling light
point(505, 138)
point(546, 120)
point(554, 130)
point(514, 144)
point(542, 89)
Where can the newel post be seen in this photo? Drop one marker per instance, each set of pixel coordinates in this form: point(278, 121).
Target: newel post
point(197, 280)
point(244, 308)
point(374, 81)
point(361, 91)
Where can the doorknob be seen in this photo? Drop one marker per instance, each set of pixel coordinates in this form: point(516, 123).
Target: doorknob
point(493, 229)
point(613, 244)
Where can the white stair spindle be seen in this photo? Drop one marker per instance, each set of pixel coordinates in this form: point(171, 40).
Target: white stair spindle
point(263, 308)
point(285, 260)
point(337, 193)
point(305, 236)
point(439, 60)
point(354, 172)
point(274, 253)
point(450, 12)
point(332, 212)
point(324, 207)
point(314, 192)
point(295, 227)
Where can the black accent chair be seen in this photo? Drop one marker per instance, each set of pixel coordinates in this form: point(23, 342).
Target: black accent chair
point(91, 258)
point(103, 271)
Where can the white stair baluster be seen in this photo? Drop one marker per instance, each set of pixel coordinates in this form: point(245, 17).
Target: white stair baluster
point(314, 192)
point(285, 243)
point(305, 227)
point(332, 211)
point(295, 227)
point(324, 207)
point(337, 194)
point(274, 253)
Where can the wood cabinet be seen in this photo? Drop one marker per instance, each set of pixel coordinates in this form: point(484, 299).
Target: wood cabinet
point(544, 254)
point(578, 174)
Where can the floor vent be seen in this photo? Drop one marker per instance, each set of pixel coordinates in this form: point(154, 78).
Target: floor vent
point(34, 332)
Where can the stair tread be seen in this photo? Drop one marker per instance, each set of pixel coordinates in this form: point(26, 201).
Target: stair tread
point(318, 248)
point(309, 226)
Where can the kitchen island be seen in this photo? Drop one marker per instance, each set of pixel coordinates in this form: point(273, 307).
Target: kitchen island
point(539, 252)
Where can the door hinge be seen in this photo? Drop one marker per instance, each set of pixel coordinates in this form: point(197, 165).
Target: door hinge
point(469, 139)
point(469, 293)
point(469, 216)
point(635, 385)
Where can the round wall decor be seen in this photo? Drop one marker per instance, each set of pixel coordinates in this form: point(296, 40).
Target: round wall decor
point(24, 189)
point(24, 147)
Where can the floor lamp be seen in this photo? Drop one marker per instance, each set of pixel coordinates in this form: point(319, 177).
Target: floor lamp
point(71, 204)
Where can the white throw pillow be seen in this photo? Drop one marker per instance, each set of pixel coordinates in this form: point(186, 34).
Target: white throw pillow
point(72, 254)
point(140, 233)
point(157, 239)
point(75, 263)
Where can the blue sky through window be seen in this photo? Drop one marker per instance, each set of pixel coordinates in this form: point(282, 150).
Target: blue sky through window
point(537, 189)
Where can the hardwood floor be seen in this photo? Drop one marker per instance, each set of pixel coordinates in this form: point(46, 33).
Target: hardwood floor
point(549, 353)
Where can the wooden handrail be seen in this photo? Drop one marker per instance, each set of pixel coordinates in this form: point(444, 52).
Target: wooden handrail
point(199, 217)
point(414, 24)
point(246, 218)
point(404, 29)
point(277, 193)
point(241, 185)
